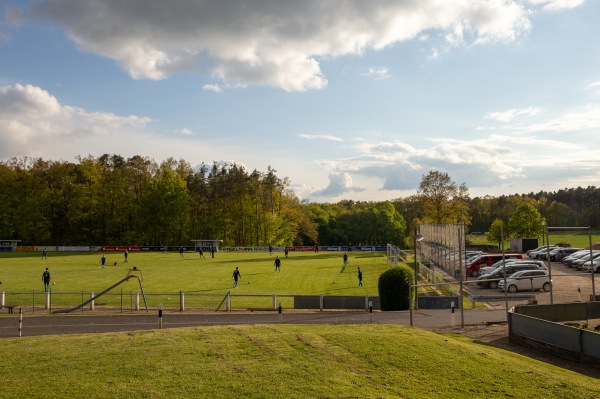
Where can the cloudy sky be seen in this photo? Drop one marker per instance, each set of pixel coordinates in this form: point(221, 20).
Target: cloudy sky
point(349, 99)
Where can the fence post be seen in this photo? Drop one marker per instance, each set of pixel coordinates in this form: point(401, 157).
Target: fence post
point(274, 301)
point(321, 302)
point(47, 304)
point(92, 303)
point(2, 298)
point(366, 302)
point(181, 301)
point(137, 301)
point(228, 302)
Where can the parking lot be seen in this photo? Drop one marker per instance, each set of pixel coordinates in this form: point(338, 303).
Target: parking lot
point(565, 284)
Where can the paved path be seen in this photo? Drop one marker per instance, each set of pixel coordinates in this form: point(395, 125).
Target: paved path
point(87, 324)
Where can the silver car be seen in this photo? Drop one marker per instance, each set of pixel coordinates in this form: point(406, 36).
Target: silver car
point(526, 280)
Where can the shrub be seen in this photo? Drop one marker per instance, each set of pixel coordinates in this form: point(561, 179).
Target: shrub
point(394, 288)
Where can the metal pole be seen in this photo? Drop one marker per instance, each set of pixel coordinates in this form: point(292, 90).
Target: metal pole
point(460, 272)
point(549, 265)
point(410, 303)
point(416, 272)
point(504, 267)
point(592, 266)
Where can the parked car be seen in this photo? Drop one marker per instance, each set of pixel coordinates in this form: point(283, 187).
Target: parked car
point(577, 255)
point(487, 269)
point(541, 252)
point(535, 250)
point(558, 254)
point(526, 280)
point(539, 263)
point(595, 263)
point(578, 263)
point(492, 279)
point(473, 266)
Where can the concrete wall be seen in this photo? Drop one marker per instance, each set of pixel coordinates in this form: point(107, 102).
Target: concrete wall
point(537, 326)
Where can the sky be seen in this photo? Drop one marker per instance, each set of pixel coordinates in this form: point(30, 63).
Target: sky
point(348, 99)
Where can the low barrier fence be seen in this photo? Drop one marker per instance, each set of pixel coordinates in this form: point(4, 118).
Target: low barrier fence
point(540, 326)
point(125, 302)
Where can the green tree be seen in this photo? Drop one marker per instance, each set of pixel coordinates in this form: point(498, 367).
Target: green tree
point(443, 201)
point(526, 222)
point(497, 231)
point(165, 209)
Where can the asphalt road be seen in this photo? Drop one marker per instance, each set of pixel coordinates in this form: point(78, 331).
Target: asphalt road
point(85, 324)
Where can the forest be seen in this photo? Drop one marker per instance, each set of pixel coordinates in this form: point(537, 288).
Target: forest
point(112, 200)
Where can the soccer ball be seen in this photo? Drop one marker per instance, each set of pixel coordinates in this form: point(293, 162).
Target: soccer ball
point(249, 282)
point(54, 283)
point(333, 281)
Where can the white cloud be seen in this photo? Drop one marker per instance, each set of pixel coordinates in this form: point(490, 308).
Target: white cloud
point(213, 87)
point(554, 5)
point(379, 73)
point(270, 43)
point(509, 115)
point(186, 132)
point(31, 119)
point(327, 137)
point(339, 183)
point(582, 121)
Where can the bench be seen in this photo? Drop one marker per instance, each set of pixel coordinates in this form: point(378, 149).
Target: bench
point(501, 298)
point(10, 308)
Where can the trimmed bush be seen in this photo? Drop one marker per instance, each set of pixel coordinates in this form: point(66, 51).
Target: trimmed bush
point(394, 288)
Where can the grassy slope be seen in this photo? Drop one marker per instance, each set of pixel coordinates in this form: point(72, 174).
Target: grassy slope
point(267, 361)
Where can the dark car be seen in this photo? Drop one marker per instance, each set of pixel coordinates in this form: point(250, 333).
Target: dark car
point(558, 254)
point(491, 279)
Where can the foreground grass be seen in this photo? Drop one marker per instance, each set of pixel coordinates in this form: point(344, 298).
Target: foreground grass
point(268, 361)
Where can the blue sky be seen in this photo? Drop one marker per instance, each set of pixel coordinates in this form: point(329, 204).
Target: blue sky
point(348, 99)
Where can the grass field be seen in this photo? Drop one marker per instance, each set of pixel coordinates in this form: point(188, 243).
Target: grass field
point(165, 275)
point(575, 239)
point(277, 361)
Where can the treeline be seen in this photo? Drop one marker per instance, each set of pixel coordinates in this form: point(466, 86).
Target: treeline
point(575, 207)
point(110, 200)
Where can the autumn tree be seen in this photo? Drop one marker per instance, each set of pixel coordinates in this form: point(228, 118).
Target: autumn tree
point(443, 201)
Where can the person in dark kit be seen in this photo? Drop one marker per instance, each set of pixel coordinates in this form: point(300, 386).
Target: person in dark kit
point(44, 254)
point(270, 250)
point(345, 259)
point(180, 251)
point(126, 254)
point(201, 253)
point(46, 280)
point(103, 261)
point(212, 251)
point(360, 277)
point(317, 247)
point(236, 277)
point(277, 264)
point(286, 252)
point(349, 247)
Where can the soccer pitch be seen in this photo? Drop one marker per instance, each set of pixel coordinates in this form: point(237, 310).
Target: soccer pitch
point(166, 275)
